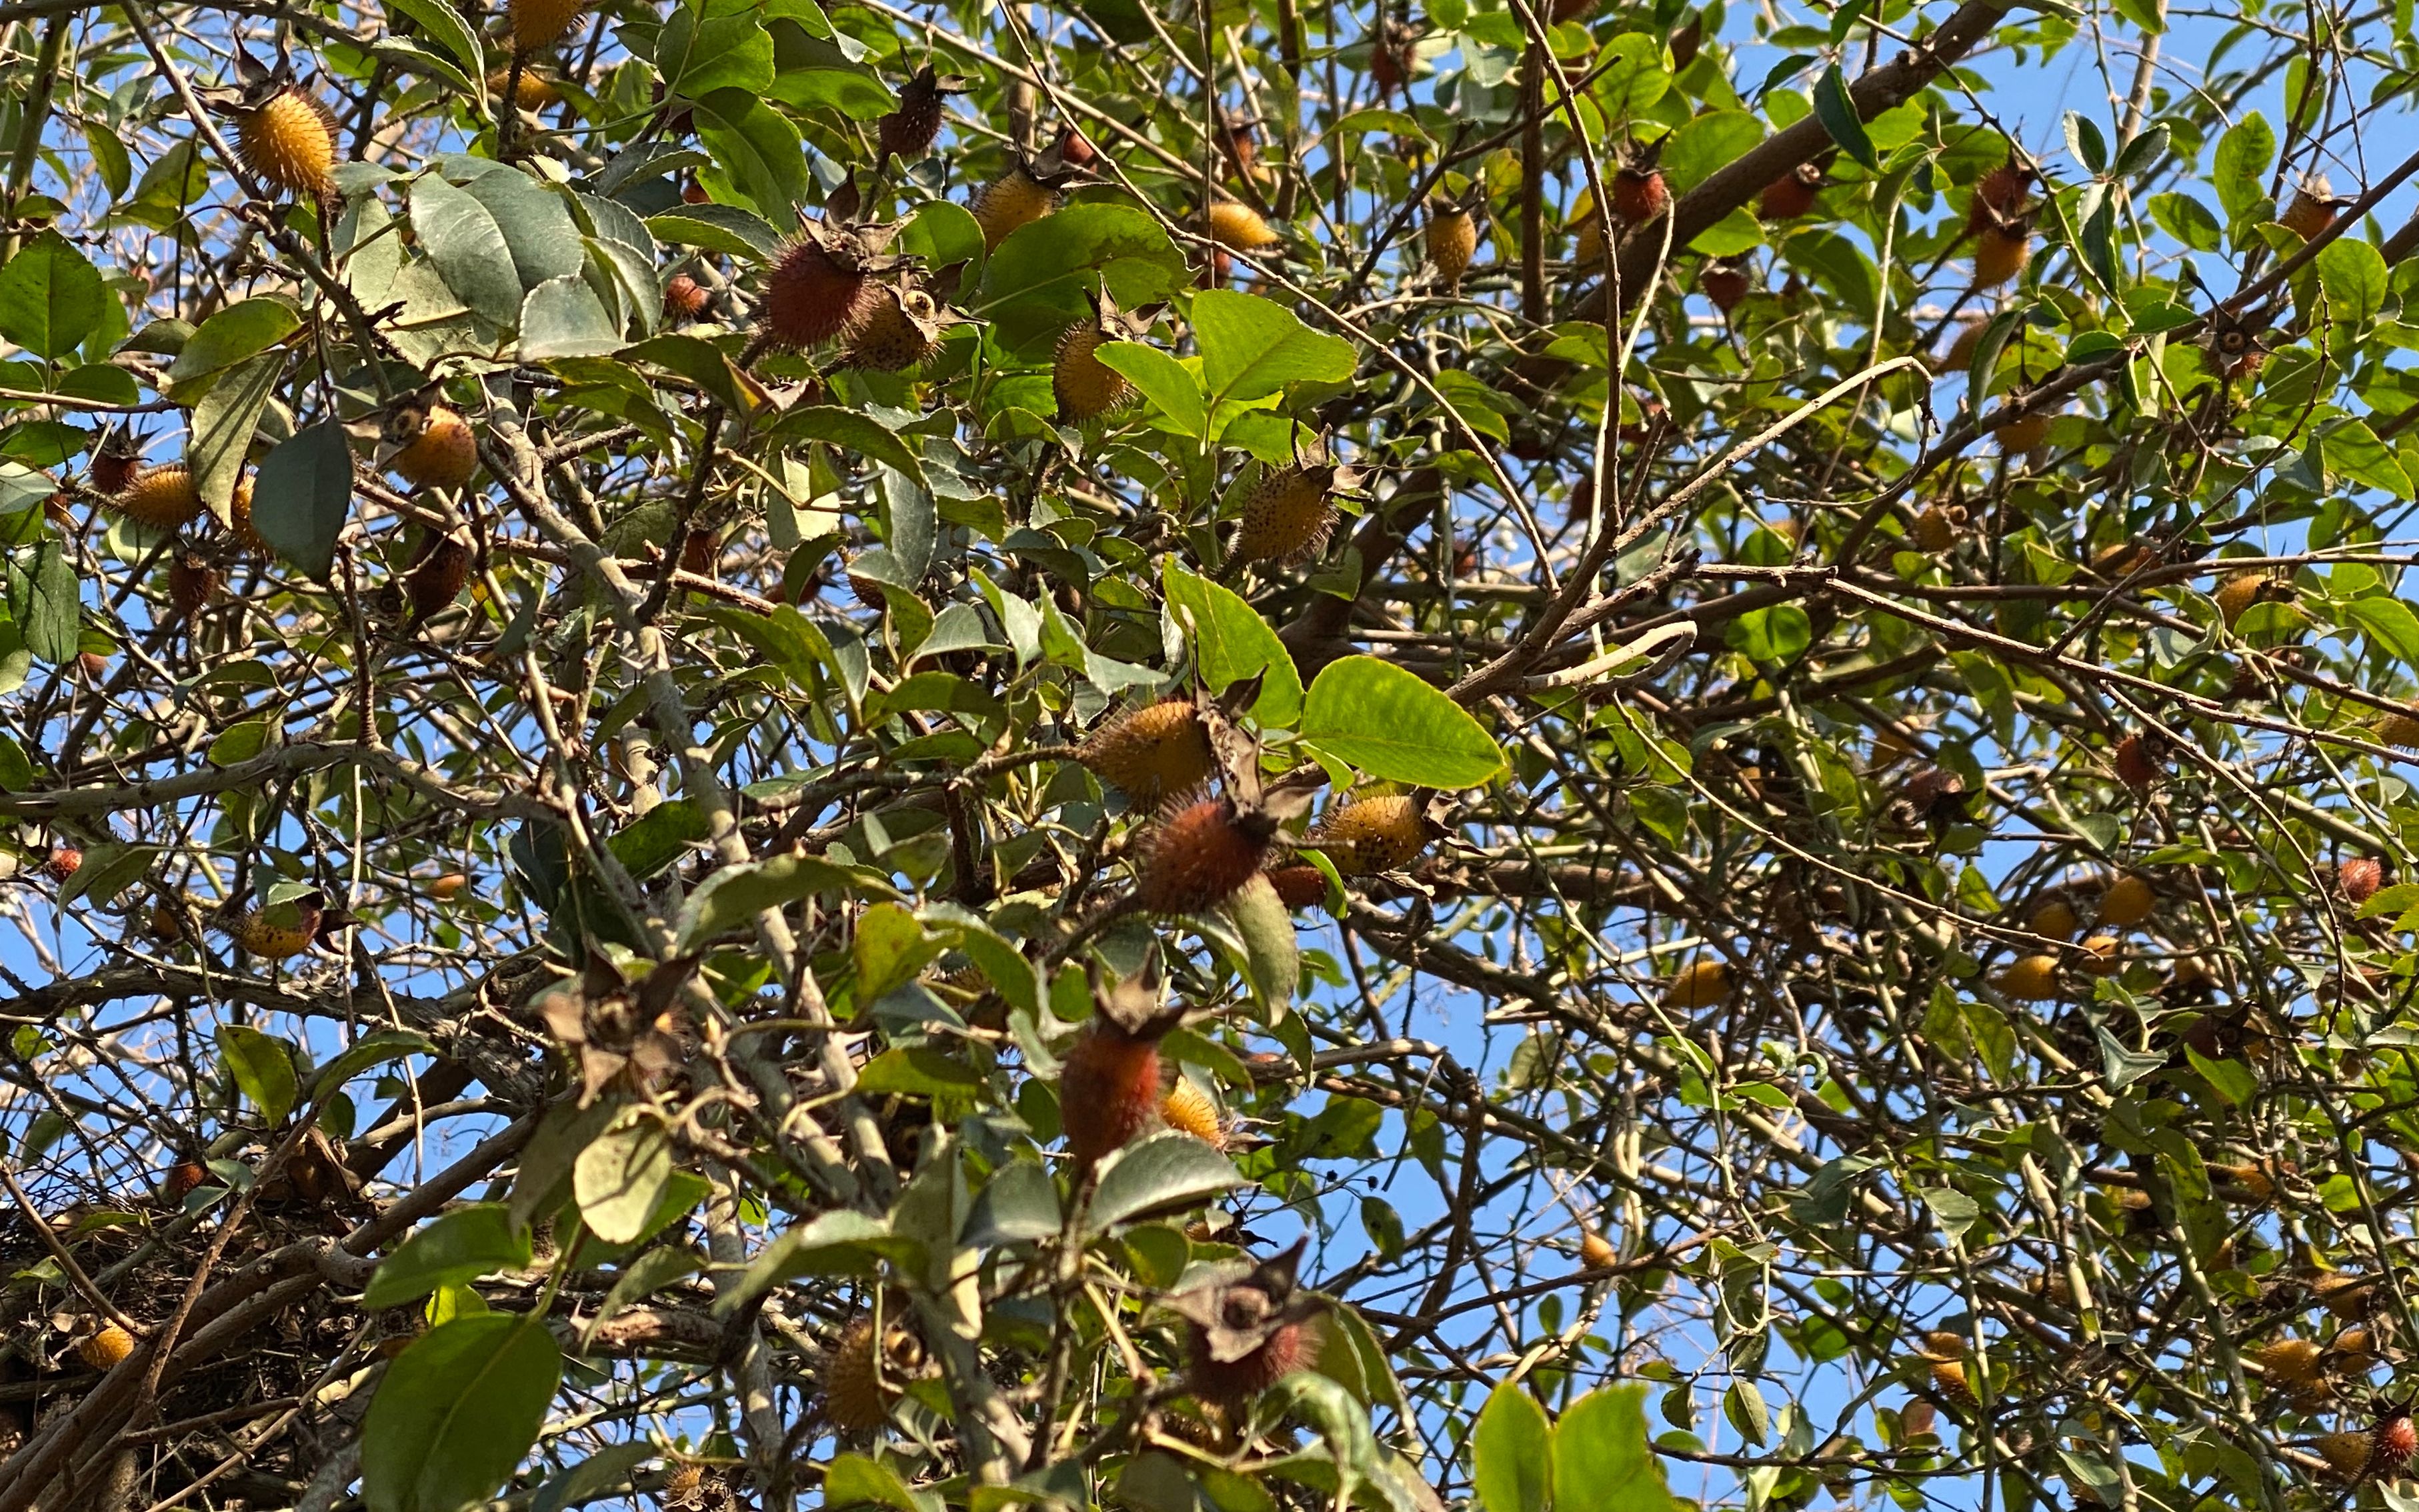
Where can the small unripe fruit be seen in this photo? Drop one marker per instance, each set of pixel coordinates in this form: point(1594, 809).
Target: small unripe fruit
point(2353, 1352)
point(533, 92)
point(1792, 195)
point(1151, 754)
point(1200, 856)
point(430, 444)
point(2000, 195)
point(2238, 592)
point(2359, 878)
point(239, 520)
point(2312, 209)
point(1109, 1083)
point(1725, 284)
point(2055, 919)
point(1452, 241)
point(1238, 227)
point(2128, 902)
point(813, 296)
point(2000, 253)
point(291, 140)
point(1698, 984)
point(94, 664)
point(106, 1346)
point(1287, 517)
point(2346, 1454)
point(63, 863)
point(2290, 1362)
point(1936, 528)
point(1188, 1108)
point(1382, 834)
point(910, 131)
point(1299, 885)
point(2102, 955)
point(1017, 198)
point(684, 297)
point(536, 23)
point(900, 331)
point(1639, 194)
point(191, 581)
point(114, 464)
point(277, 933)
point(2137, 762)
point(438, 578)
point(2031, 977)
point(1596, 1251)
point(164, 497)
point(1087, 388)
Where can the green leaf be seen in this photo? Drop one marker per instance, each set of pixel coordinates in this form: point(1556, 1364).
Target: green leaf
point(853, 1480)
point(223, 423)
point(728, 229)
point(2243, 154)
point(597, 1478)
point(457, 1412)
point(853, 431)
point(1018, 1204)
point(651, 1272)
point(454, 1250)
point(1252, 347)
point(262, 1067)
point(302, 498)
point(704, 47)
point(1273, 953)
point(1706, 143)
point(237, 334)
point(57, 610)
point(890, 947)
point(2353, 275)
point(2232, 1079)
point(16, 768)
point(1837, 111)
point(1034, 286)
point(1230, 643)
point(2349, 447)
point(1733, 234)
point(918, 1070)
point(1510, 1453)
point(1600, 1444)
point(942, 232)
point(620, 1176)
point(563, 317)
point(374, 1048)
point(445, 26)
point(842, 1242)
point(535, 221)
point(1168, 384)
point(1390, 724)
point(467, 249)
point(50, 296)
point(759, 148)
point(1775, 634)
point(735, 895)
point(1167, 1169)
point(660, 836)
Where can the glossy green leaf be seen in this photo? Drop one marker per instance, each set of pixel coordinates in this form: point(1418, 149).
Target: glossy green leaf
point(1510, 1453)
point(50, 296)
point(452, 1250)
point(303, 496)
point(1392, 725)
point(457, 1412)
point(263, 1067)
point(1600, 1451)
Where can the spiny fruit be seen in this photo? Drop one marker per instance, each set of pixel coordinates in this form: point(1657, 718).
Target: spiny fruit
point(909, 131)
point(2290, 1362)
point(426, 443)
point(2140, 762)
point(2346, 1454)
point(1936, 528)
point(2000, 196)
point(2236, 596)
point(860, 1382)
point(1699, 985)
point(1381, 834)
point(1250, 1332)
point(1238, 227)
point(191, 581)
point(2391, 1442)
point(1153, 753)
point(2399, 730)
point(536, 23)
point(1596, 1251)
point(1299, 885)
point(1725, 283)
point(1199, 856)
point(2128, 900)
point(437, 578)
point(2055, 919)
point(2024, 433)
point(1288, 516)
point(684, 297)
point(2104, 955)
point(1191, 1109)
point(114, 463)
point(449, 887)
point(1637, 190)
point(2001, 249)
point(2342, 1293)
point(1452, 240)
point(2251, 1177)
point(2031, 977)
point(2359, 878)
point(1085, 387)
point(1792, 195)
point(901, 329)
point(1023, 194)
point(1392, 56)
point(284, 132)
point(240, 520)
point(2312, 209)
point(105, 1345)
point(163, 496)
point(1945, 1354)
point(821, 289)
point(534, 91)
point(1109, 1083)
point(63, 862)
point(2353, 1352)
point(280, 930)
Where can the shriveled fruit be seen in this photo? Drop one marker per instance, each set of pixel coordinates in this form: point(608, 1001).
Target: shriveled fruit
point(1699, 985)
point(1250, 1332)
point(183, 1179)
point(105, 1345)
point(1381, 834)
point(1188, 1108)
point(1153, 753)
point(1945, 1353)
point(2031, 977)
point(2253, 1179)
point(2000, 195)
point(165, 496)
point(2129, 901)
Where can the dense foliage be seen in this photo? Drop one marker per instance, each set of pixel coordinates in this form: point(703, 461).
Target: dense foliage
point(1218, 755)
